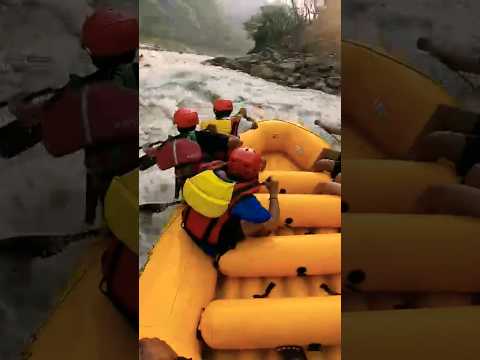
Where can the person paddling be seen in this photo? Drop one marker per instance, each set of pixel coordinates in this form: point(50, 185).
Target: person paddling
point(193, 148)
point(221, 209)
point(329, 161)
point(225, 123)
point(81, 116)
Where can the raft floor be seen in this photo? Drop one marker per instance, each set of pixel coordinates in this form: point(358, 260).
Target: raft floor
point(243, 288)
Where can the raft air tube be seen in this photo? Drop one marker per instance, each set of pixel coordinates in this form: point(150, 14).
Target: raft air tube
point(390, 186)
point(295, 182)
point(448, 333)
point(318, 254)
point(121, 209)
point(355, 146)
point(401, 253)
point(391, 108)
point(171, 300)
point(267, 323)
point(301, 210)
point(298, 143)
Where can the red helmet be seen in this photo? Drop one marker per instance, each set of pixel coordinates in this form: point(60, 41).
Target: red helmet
point(222, 105)
point(185, 118)
point(109, 32)
point(244, 163)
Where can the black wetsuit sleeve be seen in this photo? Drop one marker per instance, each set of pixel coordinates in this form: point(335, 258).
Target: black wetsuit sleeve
point(212, 143)
point(470, 156)
point(337, 168)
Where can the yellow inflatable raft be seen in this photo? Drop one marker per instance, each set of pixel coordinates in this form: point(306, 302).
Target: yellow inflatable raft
point(196, 309)
point(84, 324)
point(395, 258)
point(388, 102)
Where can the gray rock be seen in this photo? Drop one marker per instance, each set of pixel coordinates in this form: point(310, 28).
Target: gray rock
point(262, 71)
point(319, 85)
point(288, 67)
point(333, 82)
point(330, 91)
point(281, 76)
point(219, 60)
point(323, 67)
point(312, 61)
point(305, 83)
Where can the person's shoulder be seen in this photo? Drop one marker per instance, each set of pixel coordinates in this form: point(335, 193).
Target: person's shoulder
point(209, 135)
point(251, 210)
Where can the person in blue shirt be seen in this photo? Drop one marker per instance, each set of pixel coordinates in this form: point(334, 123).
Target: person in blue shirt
point(245, 216)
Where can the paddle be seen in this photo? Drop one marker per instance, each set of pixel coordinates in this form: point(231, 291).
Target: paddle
point(16, 138)
point(157, 207)
point(43, 246)
point(291, 353)
point(32, 96)
point(154, 207)
point(146, 161)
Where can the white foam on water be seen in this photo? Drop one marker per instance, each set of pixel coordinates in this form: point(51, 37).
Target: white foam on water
point(40, 194)
point(169, 80)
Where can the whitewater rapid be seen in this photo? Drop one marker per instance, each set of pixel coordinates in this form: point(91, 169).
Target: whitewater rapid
point(169, 80)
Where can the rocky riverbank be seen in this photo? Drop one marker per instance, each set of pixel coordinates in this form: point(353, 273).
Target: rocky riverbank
point(293, 69)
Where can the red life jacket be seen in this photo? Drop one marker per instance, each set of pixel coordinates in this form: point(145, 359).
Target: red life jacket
point(235, 125)
point(204, 229)
point(94, 114)
point(177, 152)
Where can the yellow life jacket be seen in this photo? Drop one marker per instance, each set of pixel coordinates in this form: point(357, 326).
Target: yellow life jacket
point(121, 209)
point(223, 126)
point(207, 194)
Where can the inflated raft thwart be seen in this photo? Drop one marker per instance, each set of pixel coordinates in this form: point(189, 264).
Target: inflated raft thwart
point(298, 144)
point(383, 252)
point(318, 254)
point(305, 210)
point(268, 323)
point(295, 182)
point(390, 186)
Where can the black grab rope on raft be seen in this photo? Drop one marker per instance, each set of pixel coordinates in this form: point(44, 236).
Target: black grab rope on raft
point(267, 292)
point(329, 291)
point(291, 352)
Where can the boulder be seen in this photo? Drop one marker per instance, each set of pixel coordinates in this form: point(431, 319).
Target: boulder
point(319, 85)
point(333, 82)
point(288, 67)
point(281, 76)
point(262, 71)
point(312, 61)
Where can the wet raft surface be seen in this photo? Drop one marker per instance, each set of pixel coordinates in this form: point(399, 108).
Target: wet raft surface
point(179, 279)
point(405, 275)
point(297, 286)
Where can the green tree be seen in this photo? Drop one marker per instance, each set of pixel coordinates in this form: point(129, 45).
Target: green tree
point(271, 25)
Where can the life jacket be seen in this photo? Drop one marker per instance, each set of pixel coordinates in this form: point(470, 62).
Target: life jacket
point(177, 152)
point(223, 126)
point(101, 108)
point(112, 159)
point(197, 220)
point(99, 113)
point(120, 279)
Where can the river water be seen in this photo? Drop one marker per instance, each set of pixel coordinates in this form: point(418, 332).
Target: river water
point(169, 80)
